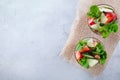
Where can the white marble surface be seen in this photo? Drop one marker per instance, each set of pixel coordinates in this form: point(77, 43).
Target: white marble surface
point(32, 33)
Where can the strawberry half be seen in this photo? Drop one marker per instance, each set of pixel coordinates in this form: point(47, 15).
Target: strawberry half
point(78, 55)
point(97, 56)
point(91, 21)
point(111, 17)
point(85, 49)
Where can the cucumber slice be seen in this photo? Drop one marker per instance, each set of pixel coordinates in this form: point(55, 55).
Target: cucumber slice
point(90, 43)
point(103, 18)
point(94, 27)
point(105, 8)
point(87, 55)
point(92, 62)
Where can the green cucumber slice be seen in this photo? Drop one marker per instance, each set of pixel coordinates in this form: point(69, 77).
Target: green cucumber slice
point(87, 55)
point(94, 27)
point(105, 8)
point(92, 62)
point(103, 18)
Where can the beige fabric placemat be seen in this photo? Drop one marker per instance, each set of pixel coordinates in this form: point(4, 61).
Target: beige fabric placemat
point(81, 30)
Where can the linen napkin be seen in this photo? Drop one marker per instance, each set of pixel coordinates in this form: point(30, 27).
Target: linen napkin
point(81, 30)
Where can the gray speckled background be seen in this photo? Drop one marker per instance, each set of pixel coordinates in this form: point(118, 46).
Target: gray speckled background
point(32, 34)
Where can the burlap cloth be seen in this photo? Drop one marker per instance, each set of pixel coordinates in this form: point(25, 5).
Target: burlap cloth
point(81, 30)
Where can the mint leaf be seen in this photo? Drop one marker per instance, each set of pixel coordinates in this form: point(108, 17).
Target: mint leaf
point(80, 45)
point(94, 12)
point(114, 27)
point(103, 58)
point(107, 29)
point(105, 34)
point(102, 61)
point(84, 62)
point(99, 49)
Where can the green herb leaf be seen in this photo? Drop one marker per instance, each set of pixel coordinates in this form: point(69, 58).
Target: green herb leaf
point(107, 29)
point(102, 24)
point(84, 62)
point(80, 45)
point(99, 49)
point(103, 58)
point(94, 12)
point(114, 27)
point(87, 55)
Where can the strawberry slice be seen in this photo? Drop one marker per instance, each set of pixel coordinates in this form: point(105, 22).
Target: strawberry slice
point(85, 49)
point(78, 55)
point(111, 17)
point(97, 56)
point(91, 21)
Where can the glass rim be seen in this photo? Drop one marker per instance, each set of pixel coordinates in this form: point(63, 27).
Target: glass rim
point(98, 33)
point(83, 39)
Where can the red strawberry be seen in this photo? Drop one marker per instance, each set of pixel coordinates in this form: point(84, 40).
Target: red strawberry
point(78, 55)
point(85, 49)
point(97, 56)
point(111, 17)
point(91, 21)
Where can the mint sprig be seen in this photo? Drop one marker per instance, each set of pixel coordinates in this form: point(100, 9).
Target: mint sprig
point(84, 62)
point(80, 45)
point(107, 29)
point(99, 49)
point(94, 12)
